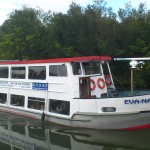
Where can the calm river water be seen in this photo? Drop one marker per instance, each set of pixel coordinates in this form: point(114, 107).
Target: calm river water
point(18, 133)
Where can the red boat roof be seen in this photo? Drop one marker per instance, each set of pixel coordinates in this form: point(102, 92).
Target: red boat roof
point(58, 60)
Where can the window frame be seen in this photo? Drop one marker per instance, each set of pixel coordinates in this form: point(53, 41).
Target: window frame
point(21, 75)
point(2, 101)
point(18, 98)
point(59, 107)
point(36, 103)
point(7, 75)
point(35, 74)
point(56, 72)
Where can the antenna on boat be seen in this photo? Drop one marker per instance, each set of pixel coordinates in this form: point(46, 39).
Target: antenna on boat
point(134, 63)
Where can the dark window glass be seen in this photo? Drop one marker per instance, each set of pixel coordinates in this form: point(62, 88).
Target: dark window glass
point(76, 68)
point(3, 72)
point(60, 107)
point(17, 100)
point(3, 98)
point(58, 70)
point(18, 72)
point(37, 72)
point(91, 68)
point(36, 103)
point(108, 109)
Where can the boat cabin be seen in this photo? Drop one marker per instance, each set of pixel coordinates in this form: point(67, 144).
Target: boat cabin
point(37, 85)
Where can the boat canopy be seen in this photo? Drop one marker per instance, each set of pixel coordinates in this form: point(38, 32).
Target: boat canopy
point(58, 60)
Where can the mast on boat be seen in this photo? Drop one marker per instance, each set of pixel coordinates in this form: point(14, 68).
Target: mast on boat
point(134, 63)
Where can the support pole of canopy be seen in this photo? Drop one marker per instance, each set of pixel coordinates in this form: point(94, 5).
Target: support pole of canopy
point(134, 65)
point(132, 90)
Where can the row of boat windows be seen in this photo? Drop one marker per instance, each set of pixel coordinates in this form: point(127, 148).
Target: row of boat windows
point(55, 106)
point(34, 72)
point(39, 72)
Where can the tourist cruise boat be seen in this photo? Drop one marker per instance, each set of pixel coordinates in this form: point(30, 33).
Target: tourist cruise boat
point(75, 92)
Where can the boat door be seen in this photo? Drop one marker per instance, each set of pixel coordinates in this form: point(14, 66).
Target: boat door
point(84, 87)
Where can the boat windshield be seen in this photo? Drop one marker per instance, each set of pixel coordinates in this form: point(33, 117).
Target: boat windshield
point(86, 68)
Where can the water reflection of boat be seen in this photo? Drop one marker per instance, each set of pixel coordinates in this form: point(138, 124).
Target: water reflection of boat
point(22, 134)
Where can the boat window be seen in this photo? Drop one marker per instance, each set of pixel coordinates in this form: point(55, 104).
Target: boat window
point(37, 72)
point(18, 72)
point(17, 100)
point(3, 72)
point(105, 68)
point(108, 109)
point(60, 107)
point(58, 70)
point(36, 103)
point(76, 68)
point(91, 67)
point(3, 98)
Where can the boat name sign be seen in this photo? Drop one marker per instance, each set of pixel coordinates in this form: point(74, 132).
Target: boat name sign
point(137, 101)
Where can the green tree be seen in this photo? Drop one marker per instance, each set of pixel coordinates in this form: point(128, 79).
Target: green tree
point(21, 34)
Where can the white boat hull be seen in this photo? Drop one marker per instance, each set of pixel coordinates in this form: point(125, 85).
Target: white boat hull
point(114, 121)
point(137, 120)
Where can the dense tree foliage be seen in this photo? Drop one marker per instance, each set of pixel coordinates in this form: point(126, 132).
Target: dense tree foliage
point(95, 30)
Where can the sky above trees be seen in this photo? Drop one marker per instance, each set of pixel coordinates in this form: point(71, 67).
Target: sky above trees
point(7, 6)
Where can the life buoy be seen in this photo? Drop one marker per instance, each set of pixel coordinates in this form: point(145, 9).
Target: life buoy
point(101, 83)
point(93, 85)
point(108, 80)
